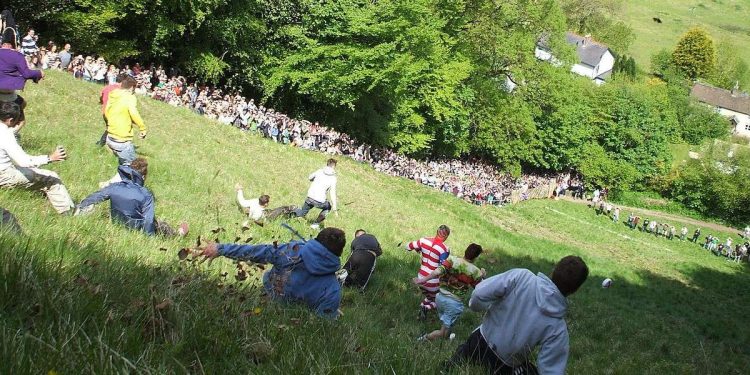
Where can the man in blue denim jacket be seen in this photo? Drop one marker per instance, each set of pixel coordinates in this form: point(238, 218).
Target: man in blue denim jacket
point(302, 271)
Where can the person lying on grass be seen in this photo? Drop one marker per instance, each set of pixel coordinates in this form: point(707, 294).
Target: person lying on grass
point(131, 203)
point(457, 275)
point(257, 208)
point(302, 271)
point(361, 263)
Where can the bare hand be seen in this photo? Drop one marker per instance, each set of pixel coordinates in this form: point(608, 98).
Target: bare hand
point(210, 251)
point(417, 281)
point(237, 187)
point(58, 155)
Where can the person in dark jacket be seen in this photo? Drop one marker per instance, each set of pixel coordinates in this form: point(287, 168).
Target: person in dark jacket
point(361, 263)
point(302, 271)
point(131, 203)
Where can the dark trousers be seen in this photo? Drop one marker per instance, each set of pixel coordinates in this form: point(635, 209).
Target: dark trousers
point(476, 350)
point(325, 208)
point(103, 138)
point(360, 266)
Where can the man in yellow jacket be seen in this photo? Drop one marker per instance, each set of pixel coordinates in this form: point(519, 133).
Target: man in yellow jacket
point(121, 113)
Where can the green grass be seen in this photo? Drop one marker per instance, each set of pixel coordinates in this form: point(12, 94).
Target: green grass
point(725, 20)
point(82, 295)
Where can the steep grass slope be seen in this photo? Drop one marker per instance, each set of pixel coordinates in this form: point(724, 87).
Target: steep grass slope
point(82, 295)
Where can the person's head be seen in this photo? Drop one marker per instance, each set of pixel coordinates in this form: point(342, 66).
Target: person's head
point(67, 46)
point(443, 232)
point(128, 83)
point(333, 239)
point(569, 274)
point(140, 165)
point(472, 252)
point(9, 113)
point(263, 200)
point(331, 163)
point(121, 77)
point(31, 32)
point(9, 38)
point(359, 232)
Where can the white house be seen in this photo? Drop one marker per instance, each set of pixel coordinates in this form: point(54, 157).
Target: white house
point(734, 105)
point(595, 60)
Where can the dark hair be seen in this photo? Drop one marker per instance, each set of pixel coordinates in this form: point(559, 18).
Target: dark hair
point(331, 162)
point(472, 251)
point(121, 77)
point(264, 199)
point(140, 165)
point(9, 110)
point(128, 83)
point(569, 274)
point(333, 239)
point(359, 232)
point(443, 231)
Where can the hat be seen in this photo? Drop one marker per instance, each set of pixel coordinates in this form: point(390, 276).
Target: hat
point(9, 36)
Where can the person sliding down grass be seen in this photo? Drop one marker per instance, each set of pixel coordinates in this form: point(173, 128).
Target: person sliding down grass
point(457, 276)
point(433, 251)
point(131, 203)
point(302, 271)
point(323, 182)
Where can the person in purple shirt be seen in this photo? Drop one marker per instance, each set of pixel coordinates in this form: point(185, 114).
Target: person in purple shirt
point(14, 72)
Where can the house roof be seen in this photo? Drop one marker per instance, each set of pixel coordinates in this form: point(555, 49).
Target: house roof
point(589, 52)
point(721, 98)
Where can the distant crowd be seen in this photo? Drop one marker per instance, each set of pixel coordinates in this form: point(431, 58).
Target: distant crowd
point(471, 180)
point(736, 251)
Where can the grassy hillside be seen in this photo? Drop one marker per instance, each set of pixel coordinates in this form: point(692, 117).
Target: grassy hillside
point(81, 295)
point(725, 20)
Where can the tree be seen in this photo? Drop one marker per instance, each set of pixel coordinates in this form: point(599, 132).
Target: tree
point(599, 18)
point(695, 54)
point(730, 69)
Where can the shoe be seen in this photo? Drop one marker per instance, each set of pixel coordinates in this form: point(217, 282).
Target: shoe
point(183, 230)
point(423, 338)
point(315, 226)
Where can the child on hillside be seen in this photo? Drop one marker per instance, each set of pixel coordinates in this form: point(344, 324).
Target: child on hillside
point(433, 252)
point(457, 276)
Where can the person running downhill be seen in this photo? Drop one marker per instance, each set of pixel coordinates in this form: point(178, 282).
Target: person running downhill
point(433, 251)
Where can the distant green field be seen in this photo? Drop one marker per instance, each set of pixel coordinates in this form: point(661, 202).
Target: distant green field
point(725, 20)
point(81, 295)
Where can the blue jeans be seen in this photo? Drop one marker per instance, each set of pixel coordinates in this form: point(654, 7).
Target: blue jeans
point(449, 309)
point(325, 208)
point(125, 151)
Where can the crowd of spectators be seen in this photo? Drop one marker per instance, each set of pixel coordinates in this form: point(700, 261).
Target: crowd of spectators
point(472, 180)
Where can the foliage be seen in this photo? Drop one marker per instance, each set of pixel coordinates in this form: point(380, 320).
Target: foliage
point(695, 54)
point(625, 65)
point(716, 185)
point(731, 70)
point(598, 18)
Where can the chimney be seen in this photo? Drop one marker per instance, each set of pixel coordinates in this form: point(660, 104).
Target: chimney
point(736, 89)
point(586, 39)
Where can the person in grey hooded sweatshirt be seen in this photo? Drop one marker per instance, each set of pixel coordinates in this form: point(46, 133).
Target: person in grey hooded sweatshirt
point(323, 183)
point(524, 311)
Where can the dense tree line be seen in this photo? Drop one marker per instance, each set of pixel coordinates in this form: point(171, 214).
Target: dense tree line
point(426, 77)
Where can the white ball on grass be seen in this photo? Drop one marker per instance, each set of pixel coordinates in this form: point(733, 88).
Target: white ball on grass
point(607, 283)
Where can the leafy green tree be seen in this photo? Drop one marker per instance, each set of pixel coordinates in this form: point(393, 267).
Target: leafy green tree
point(730, 69)
point(695, 54)
point(599, 18)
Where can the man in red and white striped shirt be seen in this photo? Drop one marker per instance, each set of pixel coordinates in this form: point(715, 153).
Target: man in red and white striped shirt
point(433, 252)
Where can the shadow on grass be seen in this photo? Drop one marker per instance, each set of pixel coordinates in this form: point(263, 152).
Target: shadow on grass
point(77, 308)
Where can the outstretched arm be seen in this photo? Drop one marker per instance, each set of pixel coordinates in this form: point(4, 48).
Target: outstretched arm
point(95, 198)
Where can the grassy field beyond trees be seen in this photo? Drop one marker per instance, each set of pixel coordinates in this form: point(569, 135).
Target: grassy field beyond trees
point(83, 295)
point(725, 20)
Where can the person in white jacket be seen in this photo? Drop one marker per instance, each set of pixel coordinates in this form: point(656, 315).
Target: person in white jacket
point(254, 207)
point(19, 169)
point(523, 311)
point(323, 183)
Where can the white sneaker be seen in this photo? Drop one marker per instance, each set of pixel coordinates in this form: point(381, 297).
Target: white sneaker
point(315, 226)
